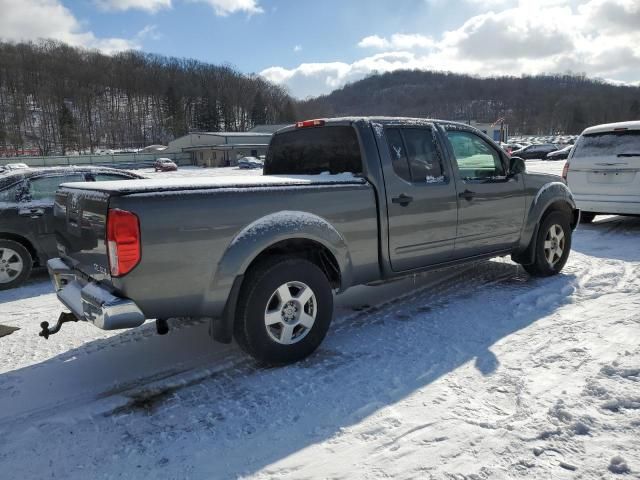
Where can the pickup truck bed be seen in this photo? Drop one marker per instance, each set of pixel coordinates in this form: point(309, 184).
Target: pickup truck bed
point(342, 202)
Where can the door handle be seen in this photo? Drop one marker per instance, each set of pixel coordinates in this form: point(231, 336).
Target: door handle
point(31, 212)
point(403, 200)
point(467, 195)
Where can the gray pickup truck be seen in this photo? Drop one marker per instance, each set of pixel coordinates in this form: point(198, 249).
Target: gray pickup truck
point(342, 202)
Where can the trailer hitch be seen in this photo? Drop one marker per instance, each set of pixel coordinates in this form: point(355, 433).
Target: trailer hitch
point(63, 318)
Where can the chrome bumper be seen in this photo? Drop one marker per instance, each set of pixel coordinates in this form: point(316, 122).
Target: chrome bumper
point(91, 302)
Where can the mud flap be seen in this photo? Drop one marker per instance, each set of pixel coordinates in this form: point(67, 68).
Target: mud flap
point(221, 328)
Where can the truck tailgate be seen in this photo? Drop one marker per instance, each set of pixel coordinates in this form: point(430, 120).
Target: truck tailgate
point(80, 220)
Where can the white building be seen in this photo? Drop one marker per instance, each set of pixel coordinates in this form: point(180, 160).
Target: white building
point(220, 149)
point(498, 132)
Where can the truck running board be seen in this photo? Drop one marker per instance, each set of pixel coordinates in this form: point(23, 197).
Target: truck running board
point(63, 318)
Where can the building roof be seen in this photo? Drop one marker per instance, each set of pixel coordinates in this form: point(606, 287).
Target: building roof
point(232, 134)
point(224, 146)
point(269, 128)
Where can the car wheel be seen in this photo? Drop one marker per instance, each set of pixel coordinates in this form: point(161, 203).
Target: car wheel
point(553, 245)
point(284, 310)
point(15, 264)
point(587, 217)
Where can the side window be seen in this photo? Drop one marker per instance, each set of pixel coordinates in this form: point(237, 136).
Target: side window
point(397, 153)
point(12, 194)
point(44, 188)
point(425, 163)
point(105, 177)
point(476, 159)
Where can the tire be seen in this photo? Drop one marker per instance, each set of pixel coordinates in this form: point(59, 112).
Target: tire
point(15, 264)
point(549, 260)
point(275, 327)
point(587, 217)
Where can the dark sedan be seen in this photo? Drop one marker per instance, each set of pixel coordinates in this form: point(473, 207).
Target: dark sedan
point(561, 154)
point(26, 215)
point(539, 151)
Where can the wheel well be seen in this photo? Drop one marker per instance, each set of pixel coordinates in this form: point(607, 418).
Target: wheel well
point(22, 241)
point(562, 206)
point(310, 250)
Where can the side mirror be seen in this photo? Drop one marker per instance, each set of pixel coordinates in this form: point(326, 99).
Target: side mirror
point(516, 166)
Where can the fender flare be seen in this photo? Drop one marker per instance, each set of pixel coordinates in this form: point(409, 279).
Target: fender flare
point(549, 194)
point(253, 240)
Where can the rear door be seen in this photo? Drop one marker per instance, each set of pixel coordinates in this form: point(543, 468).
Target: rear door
point(606, 164)
point(36, 208)
point(421, 198)
point(491, 204)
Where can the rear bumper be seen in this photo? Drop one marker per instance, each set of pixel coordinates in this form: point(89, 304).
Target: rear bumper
point(91, 302)
point(592, 203)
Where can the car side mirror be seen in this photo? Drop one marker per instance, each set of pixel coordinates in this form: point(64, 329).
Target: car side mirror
point(516, 166)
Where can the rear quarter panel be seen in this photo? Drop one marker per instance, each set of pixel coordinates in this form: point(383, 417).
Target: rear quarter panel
point(184, 239)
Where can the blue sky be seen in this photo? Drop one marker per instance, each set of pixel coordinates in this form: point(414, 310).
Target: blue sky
point(312, 47)
point(324, 30)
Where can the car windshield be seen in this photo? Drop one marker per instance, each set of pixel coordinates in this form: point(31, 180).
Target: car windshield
point(608, 144)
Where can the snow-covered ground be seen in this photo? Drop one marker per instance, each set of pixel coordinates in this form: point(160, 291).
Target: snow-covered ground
point(475, 372)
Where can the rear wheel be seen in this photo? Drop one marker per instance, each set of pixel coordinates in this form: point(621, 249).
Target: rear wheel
point(284, 310)
point(553, 244)
point(15, 264)
point(587, 217)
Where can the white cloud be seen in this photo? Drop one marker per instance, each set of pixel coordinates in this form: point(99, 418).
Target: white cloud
point(297, 48)
point(221, 8)
point(397, 41)
point(121, 5)
point(149, 31)
point(600, 38)
point(227, 7)
point(23, 20)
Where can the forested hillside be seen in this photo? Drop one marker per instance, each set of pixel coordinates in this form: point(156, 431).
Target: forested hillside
point(530, 105)
point(55, 98)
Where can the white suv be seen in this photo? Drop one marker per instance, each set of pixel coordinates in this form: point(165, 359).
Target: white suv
point(603, 170)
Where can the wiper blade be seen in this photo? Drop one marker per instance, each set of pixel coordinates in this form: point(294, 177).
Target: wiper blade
point(629, 154)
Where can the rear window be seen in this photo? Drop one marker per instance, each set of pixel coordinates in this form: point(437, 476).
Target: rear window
point(608, 144)
point(312, 151)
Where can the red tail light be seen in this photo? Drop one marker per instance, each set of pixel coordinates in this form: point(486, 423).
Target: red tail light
point(565, 170)
point(123, 241)
point(310, 123)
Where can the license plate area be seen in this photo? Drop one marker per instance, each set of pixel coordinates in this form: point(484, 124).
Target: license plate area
point(611, 177)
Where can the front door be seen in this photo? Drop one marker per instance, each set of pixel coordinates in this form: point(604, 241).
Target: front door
point(421, 198)
point(491, 204)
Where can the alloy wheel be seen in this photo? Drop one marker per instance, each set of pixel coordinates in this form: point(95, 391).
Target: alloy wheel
point(290, 313)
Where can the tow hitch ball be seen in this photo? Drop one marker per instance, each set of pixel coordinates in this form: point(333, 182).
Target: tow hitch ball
point(64, 317)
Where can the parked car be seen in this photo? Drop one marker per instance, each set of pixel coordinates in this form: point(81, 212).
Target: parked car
point(536, 151)
point(26, 216)
point(560, 154)
point(342, 202)
point(512, 147)
point(603, 170)
point(165, 165)
point(9, 167)
point(250, 162)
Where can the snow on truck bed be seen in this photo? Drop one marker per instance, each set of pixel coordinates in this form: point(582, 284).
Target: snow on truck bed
point(214, 182)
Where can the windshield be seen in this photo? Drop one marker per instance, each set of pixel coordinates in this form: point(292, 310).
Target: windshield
point(313, 151)
point(608, 144)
